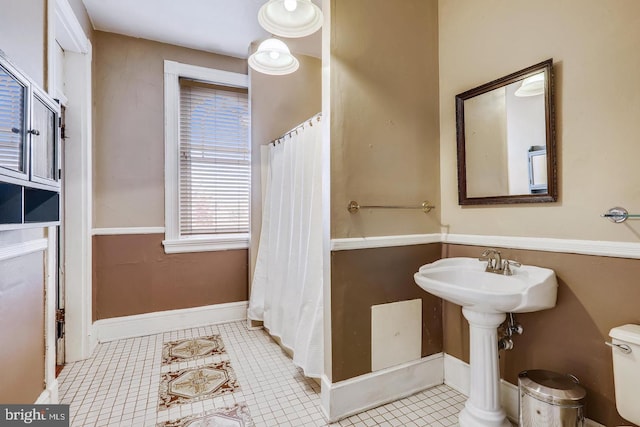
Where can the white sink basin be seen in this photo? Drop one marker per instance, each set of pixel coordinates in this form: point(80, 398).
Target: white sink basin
point(463, 281)
point(485, 299)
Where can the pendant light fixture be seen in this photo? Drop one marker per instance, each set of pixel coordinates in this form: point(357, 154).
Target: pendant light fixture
point(290, 18)
point(273, 57)
point(531, 86)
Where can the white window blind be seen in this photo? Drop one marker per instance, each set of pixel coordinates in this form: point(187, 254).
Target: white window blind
point(12, 121)
point(215, 162)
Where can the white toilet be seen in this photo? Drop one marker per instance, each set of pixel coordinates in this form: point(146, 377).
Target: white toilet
point(626, 370)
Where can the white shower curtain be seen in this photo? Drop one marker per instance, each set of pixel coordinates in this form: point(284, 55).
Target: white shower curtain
point(286, 293)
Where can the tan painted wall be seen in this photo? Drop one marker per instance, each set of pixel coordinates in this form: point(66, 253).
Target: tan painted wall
point(384, 150)
point(366, 277)
point(384, 115)
point(278, 103)
point(594, 45)
point(129, 125)
point(23, 36)
point(595, 294)
point(133, 275)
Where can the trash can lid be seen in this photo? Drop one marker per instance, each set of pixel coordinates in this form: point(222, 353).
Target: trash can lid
point(551, 387)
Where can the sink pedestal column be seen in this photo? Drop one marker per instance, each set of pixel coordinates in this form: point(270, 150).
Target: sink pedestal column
point(483, 409)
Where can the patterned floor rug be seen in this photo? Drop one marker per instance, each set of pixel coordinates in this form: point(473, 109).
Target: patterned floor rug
point(195, 384)
point(235, 416)
point(190, 349)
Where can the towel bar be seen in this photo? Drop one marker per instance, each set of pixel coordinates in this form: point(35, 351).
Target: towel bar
point(354, 207)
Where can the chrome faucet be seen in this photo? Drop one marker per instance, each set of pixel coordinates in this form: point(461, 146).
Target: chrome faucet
point(494, 260)
point(495, 263)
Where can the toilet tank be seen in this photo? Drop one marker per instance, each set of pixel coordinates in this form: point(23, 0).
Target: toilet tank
point(626, 371)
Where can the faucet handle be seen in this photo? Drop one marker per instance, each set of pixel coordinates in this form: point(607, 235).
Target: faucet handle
point(489, 251)
point(506, 269)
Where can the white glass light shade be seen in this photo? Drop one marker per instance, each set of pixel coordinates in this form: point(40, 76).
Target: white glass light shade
point(273, 57)
point(290, 18)
point(531, 86)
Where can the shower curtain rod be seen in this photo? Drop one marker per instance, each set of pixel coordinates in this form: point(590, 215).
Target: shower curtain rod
point(310, 120)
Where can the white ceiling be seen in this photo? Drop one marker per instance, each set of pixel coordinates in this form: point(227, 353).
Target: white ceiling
point(226, 27)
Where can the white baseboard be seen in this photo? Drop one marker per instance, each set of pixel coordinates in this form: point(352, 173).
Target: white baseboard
point(162, 321)
point(48, 395)
point(349, 397)
point(93, 339)
point(457, 375)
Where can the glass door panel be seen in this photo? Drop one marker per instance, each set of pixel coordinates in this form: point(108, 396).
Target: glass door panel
point(43, 141)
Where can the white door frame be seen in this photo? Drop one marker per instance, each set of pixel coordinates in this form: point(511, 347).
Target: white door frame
point(65, 29)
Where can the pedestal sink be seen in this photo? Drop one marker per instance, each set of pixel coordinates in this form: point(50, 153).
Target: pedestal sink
point(485, 299)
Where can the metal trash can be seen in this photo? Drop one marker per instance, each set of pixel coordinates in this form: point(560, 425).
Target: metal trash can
point(549, 399)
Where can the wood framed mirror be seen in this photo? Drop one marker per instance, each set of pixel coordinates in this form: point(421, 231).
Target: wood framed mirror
point(506, 140)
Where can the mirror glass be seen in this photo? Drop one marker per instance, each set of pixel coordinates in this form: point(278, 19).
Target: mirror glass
point(506, 150)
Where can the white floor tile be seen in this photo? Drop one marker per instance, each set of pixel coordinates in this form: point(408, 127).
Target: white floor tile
point(119, 385)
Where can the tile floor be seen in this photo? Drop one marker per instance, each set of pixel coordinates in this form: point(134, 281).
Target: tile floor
point(119, 385)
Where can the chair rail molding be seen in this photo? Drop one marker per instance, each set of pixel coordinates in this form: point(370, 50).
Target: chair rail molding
point(546, 244)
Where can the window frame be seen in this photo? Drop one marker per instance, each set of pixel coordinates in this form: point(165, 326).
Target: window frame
point(174, 242)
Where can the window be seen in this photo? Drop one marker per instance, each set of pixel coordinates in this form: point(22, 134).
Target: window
point(207, 159)
point(13, 108)
point(214, 159)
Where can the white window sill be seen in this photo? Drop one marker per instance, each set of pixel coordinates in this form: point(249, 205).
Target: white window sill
point(206, 243)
